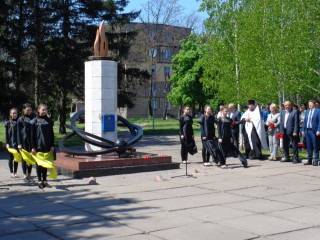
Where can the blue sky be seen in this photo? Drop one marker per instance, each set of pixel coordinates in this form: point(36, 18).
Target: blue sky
point(190, 5)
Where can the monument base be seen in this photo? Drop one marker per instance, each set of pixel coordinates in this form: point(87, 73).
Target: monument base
point(111, 164)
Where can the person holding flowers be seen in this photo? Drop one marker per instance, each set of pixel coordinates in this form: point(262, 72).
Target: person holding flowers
point(273, 122)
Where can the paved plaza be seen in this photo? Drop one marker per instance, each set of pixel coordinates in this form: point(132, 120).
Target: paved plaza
point(268, 200)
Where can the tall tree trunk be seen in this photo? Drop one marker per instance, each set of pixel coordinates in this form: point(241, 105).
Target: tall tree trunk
point(164, 117)
point(62, 113)
point(36, 82)
point(37, 43)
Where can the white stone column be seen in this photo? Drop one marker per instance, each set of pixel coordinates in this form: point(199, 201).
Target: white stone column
point(100, 97)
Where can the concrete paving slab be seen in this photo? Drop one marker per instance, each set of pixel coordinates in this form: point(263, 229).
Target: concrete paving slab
point(259, 191)
point(82, 200)
point(157, 221)
point(260, 205)
point(96, 230)
point(178, 203)
point(61, 218)
point(34, 235)
point(184, 191)
point(121, 211)
point(203, 231)
point(309, 234)
point(140, 237)
point(307, 215)
point(12, 225)
point(303, 198)
point(263, 225)
point(213, 213)
point(28, 204)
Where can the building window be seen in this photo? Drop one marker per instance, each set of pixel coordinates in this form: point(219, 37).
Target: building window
point(166, 37)
point(167, 54)
point(166, 71)
point(153, 52)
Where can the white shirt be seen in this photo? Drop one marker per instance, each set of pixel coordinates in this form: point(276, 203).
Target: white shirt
point(286, 119)
point(309, 124)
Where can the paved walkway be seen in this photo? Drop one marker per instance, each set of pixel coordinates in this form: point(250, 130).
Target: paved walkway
point(269, 200)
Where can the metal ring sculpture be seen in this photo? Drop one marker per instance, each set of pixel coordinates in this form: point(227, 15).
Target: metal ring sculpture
point(110, 146)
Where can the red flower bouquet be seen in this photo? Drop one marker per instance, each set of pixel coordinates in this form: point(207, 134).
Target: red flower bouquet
point(279, 136)
point(301, 145)
point(233, 123)
point(271, 125)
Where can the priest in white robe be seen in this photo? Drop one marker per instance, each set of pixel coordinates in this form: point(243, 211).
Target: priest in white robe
point(255, 135)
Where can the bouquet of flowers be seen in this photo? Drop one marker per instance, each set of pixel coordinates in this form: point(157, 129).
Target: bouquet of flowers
point(233, 123)
point(279, 136)
point(271, 125)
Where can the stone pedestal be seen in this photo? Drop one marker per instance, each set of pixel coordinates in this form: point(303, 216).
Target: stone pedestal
point(100, 97)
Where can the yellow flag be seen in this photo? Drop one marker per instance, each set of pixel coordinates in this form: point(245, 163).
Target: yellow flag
point(46, 160)
point(16, 154)
point(27, 157)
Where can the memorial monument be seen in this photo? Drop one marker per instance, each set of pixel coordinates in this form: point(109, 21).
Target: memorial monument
point(104, 153)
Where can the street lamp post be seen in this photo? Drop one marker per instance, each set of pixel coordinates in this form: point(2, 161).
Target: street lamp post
point(152, 67)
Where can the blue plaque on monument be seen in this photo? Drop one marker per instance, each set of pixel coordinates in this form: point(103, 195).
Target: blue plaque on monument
point(108, 123)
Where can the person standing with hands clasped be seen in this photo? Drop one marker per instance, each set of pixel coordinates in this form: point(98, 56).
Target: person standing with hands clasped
point(11, 139)
point(207, 132)
point(311, 129)
point(289, 128)
point(186, 135)
point(42, 138)
point(273, 122)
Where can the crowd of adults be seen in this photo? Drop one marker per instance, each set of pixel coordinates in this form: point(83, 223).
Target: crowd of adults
point(267, 128)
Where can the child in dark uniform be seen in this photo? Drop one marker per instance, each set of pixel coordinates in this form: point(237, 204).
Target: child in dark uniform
point(11, 139)
point(42, 140)
point(186, 134)
point(24, 138)
point(207, 132)
point(224, 125)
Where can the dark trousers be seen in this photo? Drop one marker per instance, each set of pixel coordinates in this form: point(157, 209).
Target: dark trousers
point(41, 173)
point(13, 166)
point(287, 139)
point(25, 167)
point(230, 148)
point(235, 136)
point(312, 145)
point(184, 151)
point(205, 155)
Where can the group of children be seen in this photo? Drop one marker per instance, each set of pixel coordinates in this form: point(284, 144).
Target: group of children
point(31, 133)
point(219, 148)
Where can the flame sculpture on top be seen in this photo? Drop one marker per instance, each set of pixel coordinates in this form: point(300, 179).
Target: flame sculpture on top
point(101, 42)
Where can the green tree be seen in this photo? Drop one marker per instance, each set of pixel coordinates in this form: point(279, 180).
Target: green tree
point(186, 86)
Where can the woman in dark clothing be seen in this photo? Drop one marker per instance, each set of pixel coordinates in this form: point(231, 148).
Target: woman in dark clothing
point(24, 138)
point(11, 139)
point(224, 125)
point(207, 132)
point(186, 134)
point(42, 140)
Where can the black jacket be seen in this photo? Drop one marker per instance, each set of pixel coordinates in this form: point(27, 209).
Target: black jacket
point(42, 136)
point(207, 127)
point(236, 117)
point(224, 129)
point(11, 134)
point(24, 131)
point(186, 128)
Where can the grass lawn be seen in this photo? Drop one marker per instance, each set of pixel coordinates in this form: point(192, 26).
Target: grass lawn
point(162, 127)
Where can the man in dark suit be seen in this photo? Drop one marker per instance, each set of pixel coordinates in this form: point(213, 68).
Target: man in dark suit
point(235, 115)
point(311, 129)
point(289, 127)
